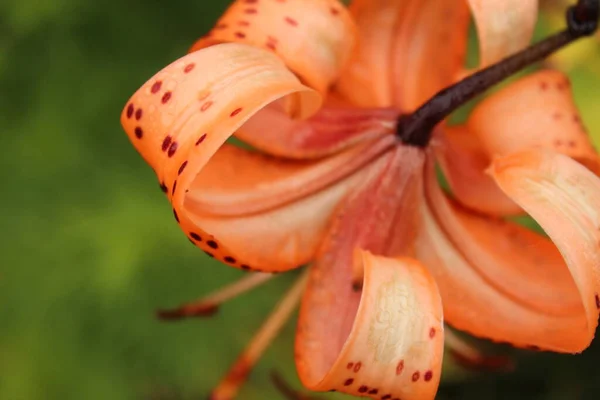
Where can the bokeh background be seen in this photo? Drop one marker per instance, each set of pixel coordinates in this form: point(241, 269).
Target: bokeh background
point(89, 248)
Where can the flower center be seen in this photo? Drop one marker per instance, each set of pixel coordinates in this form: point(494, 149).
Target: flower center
point(416, 129)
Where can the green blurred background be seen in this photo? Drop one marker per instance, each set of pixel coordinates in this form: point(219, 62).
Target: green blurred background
point(89, 248)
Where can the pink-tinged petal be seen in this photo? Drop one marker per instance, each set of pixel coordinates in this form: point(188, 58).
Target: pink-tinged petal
point(392, 346)
point(537, 111)
point(239, 182)
point(408, 50)
point(357, 342)
point(314, 37)
point(501, 281)
point(464, 161)
point(504, 27)
point(335, 127)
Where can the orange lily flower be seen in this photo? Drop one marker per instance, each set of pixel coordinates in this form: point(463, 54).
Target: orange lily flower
point(347, 184)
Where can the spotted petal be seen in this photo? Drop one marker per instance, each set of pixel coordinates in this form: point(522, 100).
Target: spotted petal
point(314, 37)
point(182, 116)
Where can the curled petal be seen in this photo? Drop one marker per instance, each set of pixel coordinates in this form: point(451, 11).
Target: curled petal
point(381, 340)
point(535, 112)
point(464, 161)
point(180, 118)
point(504, 27)
point(563, 197)
point(394, 348)
point(501, 281)
point(313, 37)
point(408, 50)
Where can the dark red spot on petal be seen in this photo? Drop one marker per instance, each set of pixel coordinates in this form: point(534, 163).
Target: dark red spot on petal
point(348, 382)
point(240, 35)
point(236, 112)
point(386, 397)
point(130, 110)
point(291, 21)
point(245, 267)
point(212, 244)
point(350, 365)
point(221, 26)
point(229, 260)
point(138, 132)
point(206, 106)
point(172, 149)
point(416, 376)
point(357, 366)
point(164, 187)
point(373, 391)
point(156, 87)
point(166, 143)
point(200, 139)
point(182, 167)
point(138, 114)
point(195, 236)
point(166, 97)
point(174, 188)
point(363, 389)
point(400, 367)
point(211, 255)
point(334, 11)
point(188, 68)
point(428, 375)
point(597, 301)
point(176, 216)
point(432, 333)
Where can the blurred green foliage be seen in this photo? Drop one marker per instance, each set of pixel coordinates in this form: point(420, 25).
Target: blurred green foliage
point(89, 248)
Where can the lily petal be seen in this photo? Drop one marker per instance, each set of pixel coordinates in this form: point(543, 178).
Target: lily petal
point(392, 348)
point(334, 128)
point(180, 118)
point(238, 182)
point(408, 50)
point(504, 27)
point(501, 281)
point(313, 37)
point(385, 341)
point(537, 111)
point(463, 160)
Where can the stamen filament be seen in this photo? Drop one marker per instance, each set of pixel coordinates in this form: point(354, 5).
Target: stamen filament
point(231, 383)
point(416, 129)
point(209, 305)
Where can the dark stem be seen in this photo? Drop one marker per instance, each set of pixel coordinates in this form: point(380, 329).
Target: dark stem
point(416, 129)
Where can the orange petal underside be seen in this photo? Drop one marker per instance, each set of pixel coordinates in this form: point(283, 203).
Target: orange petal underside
point(391, 68)
point(503, 26)
point(501, 281)
point(464, 161)
point(535, 112)
point(391, 348)
point(180, 118)
point(313, 37)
